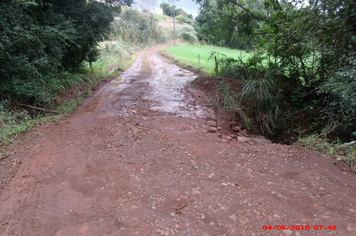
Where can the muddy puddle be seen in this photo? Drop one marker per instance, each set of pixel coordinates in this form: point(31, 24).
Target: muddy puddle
point(168, 82)
point(149, 84)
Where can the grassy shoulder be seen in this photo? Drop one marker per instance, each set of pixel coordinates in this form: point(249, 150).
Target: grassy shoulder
point(75, 89)
point(343, 152)
point(197, 55)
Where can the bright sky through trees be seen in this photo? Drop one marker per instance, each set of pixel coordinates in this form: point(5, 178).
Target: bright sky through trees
point(189, 6)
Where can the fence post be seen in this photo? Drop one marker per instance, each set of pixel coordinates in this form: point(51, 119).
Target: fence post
point(198, 59)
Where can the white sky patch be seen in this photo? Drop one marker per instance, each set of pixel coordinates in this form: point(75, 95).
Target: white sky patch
point(189, 6)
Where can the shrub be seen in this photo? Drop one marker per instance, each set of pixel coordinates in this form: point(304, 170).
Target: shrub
point(41, 41)
point(339, 110)
point(261, 93)
point(183, 20)
point(187, 33)
point(137, 28)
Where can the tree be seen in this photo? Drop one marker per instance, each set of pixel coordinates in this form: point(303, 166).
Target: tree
point(119, 2)
point(167, 9)
point(306, 50)
point(180, 11)
point(173, 12)
point(31, 47)
point(224, 24)
point(42, 39)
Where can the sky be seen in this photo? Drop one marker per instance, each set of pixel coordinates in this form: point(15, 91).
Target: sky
point(189, 6)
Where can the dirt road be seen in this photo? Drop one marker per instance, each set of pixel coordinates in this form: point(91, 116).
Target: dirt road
point(137, 159)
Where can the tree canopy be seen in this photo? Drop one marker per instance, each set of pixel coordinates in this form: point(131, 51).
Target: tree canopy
point(43, 38)
point(168, 10)
point(222, 23)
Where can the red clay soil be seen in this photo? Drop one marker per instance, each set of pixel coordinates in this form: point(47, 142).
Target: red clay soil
point(125, 164)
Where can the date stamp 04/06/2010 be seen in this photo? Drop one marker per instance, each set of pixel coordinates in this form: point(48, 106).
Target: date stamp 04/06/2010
point(299, 227)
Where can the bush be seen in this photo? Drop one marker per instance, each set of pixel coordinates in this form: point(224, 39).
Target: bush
point(11, 122)
point(339, 110)
point(187, 33)
point(260, 93)
point(231, 68)
point(137, 28)
point(41, 41)
point(183, 20)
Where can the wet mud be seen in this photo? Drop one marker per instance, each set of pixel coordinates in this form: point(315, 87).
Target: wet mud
point(138, 158)
point(152, 81)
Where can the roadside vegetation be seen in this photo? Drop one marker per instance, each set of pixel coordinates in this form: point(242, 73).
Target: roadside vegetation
point(298, 80)
point(344, 152)
point(301, 74)
point(72, 48)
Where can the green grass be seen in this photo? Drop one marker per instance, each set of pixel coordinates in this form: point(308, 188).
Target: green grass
point(188, 55)
point(160, 17)
point(14, 123)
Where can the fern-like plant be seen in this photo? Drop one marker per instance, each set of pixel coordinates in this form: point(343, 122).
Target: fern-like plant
point(261, 94)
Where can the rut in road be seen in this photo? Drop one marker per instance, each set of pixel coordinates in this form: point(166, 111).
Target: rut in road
point(136, 159)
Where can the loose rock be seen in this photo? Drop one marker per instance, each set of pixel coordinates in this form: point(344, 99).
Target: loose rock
point(213, 129)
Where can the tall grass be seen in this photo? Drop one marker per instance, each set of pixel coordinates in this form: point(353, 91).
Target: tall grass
point(261, 94)
point(225, 97)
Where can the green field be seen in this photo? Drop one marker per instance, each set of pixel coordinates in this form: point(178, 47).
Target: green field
point(188, 55)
